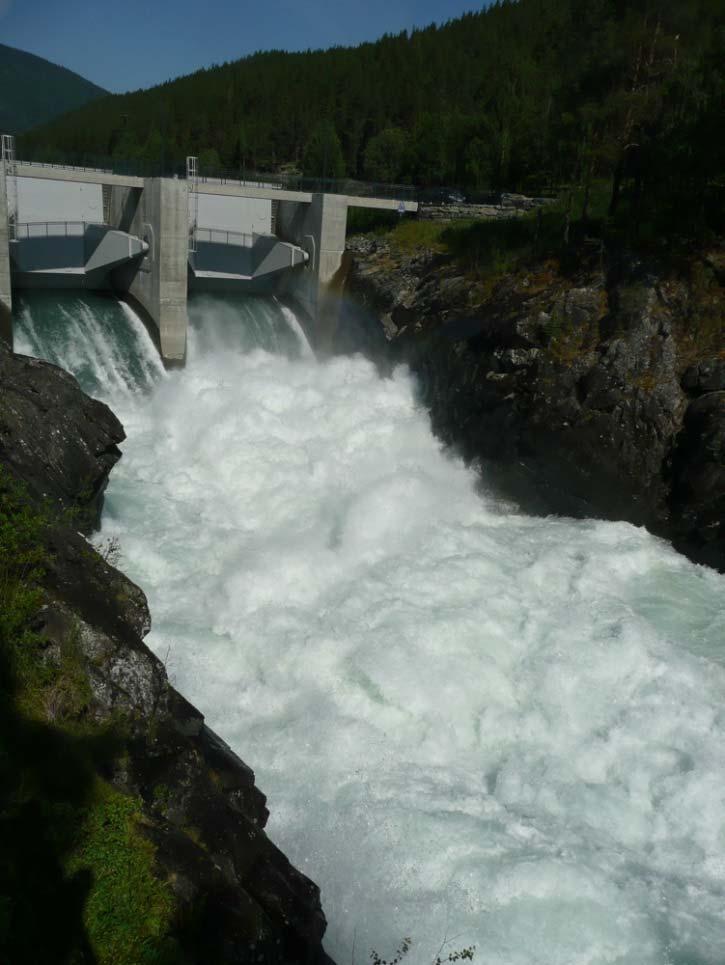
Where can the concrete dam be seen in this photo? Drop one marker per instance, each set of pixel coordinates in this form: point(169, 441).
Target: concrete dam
point(152, 240)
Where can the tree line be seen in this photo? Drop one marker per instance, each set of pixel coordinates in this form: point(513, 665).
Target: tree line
point(528, 95)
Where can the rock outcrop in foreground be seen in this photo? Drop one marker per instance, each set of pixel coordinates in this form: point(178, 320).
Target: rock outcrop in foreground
point(599, 392)
point(232, 895)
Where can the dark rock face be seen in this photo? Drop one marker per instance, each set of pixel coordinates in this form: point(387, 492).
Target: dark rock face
point(698, 495)
point(576, 390)
point(58, 441)
point(707, 376)
point(239, 900)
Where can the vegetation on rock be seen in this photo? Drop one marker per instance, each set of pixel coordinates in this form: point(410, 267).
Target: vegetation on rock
point(71, 844)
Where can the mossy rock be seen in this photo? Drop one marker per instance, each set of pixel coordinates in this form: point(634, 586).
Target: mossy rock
point(128, 911)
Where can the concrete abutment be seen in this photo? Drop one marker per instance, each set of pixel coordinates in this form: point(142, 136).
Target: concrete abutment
point(319, 227)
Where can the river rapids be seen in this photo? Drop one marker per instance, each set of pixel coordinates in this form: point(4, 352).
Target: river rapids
point(474, 727)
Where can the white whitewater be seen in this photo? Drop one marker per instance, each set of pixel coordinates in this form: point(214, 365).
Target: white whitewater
point(471, 724)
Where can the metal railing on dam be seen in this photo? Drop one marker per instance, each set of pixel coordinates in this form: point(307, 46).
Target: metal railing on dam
point(69, 167)
point(105, 165)
point(54, 229)
point(285, 182)
point(219, 236)
point(278, 181)
point(349, 187)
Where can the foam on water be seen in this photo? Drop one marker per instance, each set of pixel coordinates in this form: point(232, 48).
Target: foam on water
point(468, 722)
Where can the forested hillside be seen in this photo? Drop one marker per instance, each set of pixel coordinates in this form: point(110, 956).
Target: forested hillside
point(34, 91)
point(528, 95)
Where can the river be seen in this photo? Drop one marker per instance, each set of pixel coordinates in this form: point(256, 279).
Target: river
point(473, 726)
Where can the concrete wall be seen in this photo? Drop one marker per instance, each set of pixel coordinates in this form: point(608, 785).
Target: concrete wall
point(234, 268)
point(42, 254)
point(159, 214)
point(43, 200)
point(228, 259)
point(105, 248)
point(6, 300)
point(82, 258)
point(270, 255)
point(248, 215)
point(319, 228)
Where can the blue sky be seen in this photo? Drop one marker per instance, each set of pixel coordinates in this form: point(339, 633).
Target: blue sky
point(126, 44)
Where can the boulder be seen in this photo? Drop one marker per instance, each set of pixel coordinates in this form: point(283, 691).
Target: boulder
point(61, 443)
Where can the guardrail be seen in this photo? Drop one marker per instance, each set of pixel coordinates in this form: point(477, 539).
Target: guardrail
point(241, 182)
point(271, 181)
point(64, 167)
point(240, 177)
point(55, 229)
point(107, 165)
point(218, 236)
point(288, 182)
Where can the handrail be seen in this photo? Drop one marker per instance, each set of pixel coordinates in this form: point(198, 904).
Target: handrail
point(63, 167)
point(311, 185)
point(267, 181)
point(219, 236)
point(174, 167)
point(32, 229)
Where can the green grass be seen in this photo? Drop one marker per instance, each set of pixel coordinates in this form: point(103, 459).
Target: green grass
point(489, 249)
point(411, 235)
point(482, 247)
point(128, 912)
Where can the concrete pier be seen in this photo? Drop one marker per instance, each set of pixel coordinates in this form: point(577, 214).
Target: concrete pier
point(320, 229)
point(6, 298)
point(159, 214)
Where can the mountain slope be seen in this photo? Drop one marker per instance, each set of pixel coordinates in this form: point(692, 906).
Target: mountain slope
point(528, 96)
point(33, 91)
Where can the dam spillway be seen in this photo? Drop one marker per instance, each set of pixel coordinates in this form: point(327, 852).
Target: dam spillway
point(468, 722)
point(162, 218)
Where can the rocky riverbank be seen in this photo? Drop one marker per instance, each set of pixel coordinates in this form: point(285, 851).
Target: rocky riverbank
point(138, 763)
point(597, 391)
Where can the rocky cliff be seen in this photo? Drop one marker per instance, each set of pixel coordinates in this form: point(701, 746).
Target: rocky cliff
point(597, 391)
point(97, 748)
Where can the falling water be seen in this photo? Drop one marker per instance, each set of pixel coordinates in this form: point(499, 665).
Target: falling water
point(472, 725)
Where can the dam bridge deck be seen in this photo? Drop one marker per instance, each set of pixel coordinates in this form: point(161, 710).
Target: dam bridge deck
point(271, 187)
